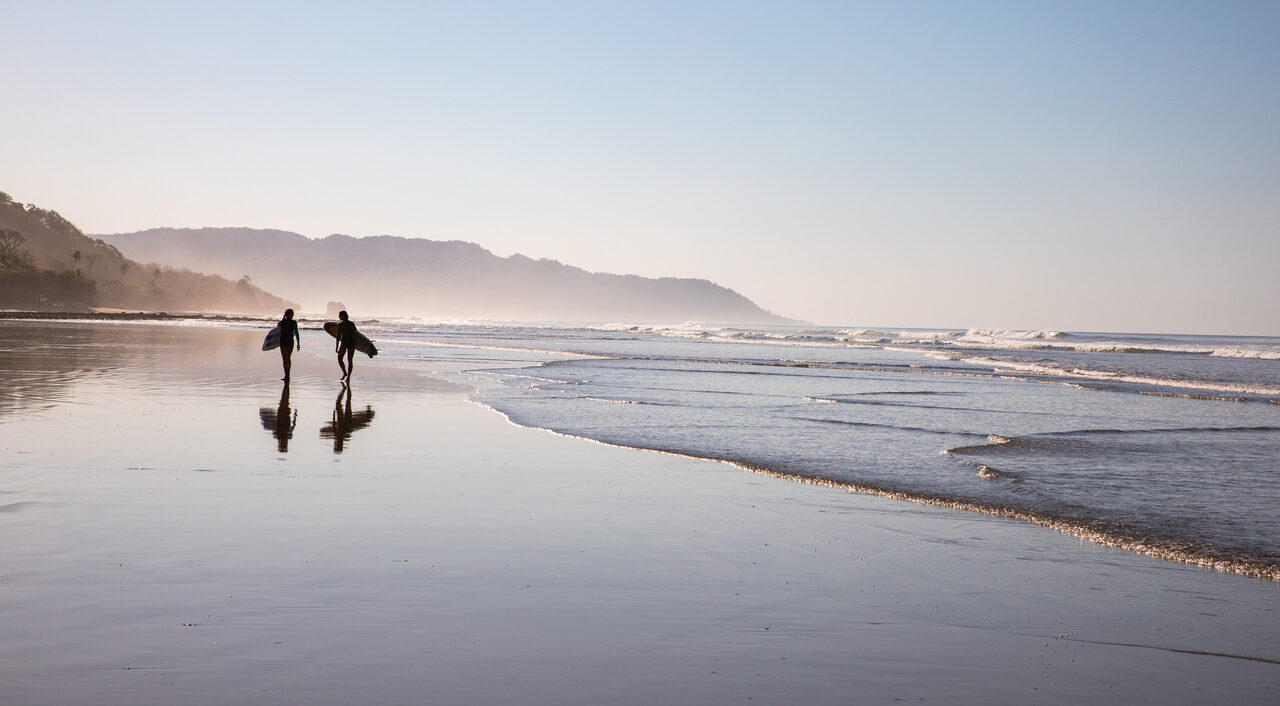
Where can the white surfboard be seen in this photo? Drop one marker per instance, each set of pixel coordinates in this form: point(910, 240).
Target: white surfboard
point(272, 341)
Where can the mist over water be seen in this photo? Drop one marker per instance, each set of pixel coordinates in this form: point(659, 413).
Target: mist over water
point(1168, 445)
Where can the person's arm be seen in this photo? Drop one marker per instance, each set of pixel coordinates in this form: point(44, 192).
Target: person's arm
point(297, 333)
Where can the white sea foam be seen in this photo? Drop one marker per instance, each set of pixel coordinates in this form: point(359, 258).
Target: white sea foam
point(809, 337)
point(978, 334)
point(1000, 339)
point(988, 472)
point(1041, 369)
point(1039, 340)
point(1252, 352)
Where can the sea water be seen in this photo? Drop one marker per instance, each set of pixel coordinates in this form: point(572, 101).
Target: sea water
point(1167, 445)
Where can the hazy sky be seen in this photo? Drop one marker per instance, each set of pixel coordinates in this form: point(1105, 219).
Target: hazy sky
point(1064, 165)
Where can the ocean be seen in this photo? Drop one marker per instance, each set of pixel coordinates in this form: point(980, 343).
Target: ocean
point(1167, 445)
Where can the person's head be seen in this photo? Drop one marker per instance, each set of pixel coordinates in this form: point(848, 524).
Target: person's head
point(288, 313)
point(342, 315)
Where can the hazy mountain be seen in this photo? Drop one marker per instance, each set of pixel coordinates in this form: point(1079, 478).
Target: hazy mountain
point(414, 277)
point(47, 263)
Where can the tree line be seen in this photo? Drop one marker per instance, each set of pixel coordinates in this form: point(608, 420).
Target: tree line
point(22, 284)
point(47, 263)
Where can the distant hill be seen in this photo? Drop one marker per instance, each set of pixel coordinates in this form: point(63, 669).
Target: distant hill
point(388, 275)
point(46, 263)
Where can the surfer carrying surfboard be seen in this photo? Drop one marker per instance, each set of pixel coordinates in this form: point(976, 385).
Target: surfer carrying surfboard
point(349, 340)
point(346, 345)
point(288, 333)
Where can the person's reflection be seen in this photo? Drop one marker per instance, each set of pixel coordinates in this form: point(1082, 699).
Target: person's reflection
point(345, 422)
point(280, 421)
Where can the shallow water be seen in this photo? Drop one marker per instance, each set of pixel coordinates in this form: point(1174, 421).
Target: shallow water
point(1169, 445)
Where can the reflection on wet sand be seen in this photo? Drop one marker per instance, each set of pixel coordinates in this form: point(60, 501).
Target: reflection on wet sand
point(344, 421)
point(45, 363)
point(280, 421)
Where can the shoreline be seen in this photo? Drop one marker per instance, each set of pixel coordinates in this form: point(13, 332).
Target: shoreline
point(1111, 538)
point(93, 315)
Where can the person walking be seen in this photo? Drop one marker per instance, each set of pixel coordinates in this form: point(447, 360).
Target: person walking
point(346, 344)
point(288, 334)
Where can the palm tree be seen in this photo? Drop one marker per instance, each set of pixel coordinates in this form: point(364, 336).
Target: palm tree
point(75, 258)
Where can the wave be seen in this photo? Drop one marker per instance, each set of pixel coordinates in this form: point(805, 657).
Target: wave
point(1249, 352)
point(887, 338)
point(886, 403)
point(874, 425)
point(975, 334)
point(1057, 340)
point(993, 440)
point(1040, 368)
point(997, 442)
point(814, 337)
point(611, 400)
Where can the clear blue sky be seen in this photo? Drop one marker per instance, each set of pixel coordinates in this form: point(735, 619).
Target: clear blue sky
point(1065, 165)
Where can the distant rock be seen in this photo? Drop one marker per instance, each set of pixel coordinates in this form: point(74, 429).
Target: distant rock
point(394, 276)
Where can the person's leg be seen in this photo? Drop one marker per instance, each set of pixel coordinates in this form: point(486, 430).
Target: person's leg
point(286, 355)
point(341, 365)
point(351, 362)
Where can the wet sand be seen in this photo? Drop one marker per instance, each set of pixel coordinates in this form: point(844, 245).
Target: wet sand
point(179, 531)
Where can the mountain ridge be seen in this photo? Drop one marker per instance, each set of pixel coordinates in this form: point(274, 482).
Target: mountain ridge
point(395, 275)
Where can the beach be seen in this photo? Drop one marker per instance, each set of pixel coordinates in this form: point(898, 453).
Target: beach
point(183, 528)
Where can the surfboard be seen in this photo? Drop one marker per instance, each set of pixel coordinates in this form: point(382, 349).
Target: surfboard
point(272, 341)
point(364, 345)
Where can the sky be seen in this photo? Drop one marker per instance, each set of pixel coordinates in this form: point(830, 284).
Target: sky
point(1073, 165)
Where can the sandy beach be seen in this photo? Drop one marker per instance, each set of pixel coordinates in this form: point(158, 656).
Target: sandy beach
point(182, 528)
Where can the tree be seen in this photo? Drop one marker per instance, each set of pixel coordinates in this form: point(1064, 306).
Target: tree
point(75, 258)
point(11, 253)
point(93, 260)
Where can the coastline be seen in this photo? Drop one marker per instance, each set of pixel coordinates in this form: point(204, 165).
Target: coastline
point(171, 551)
point(119, 315)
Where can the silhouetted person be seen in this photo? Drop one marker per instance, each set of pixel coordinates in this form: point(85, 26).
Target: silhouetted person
point(345, 422)
point(280, 421)
point(288, 333)
point(346, 344)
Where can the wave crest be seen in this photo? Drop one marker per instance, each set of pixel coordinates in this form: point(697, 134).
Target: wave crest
point(1001, 334)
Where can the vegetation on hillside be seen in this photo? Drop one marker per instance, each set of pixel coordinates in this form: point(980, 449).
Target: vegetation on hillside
point(46, 263)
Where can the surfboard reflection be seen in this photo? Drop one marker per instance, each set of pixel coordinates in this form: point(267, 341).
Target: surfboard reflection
point(280, 421)
point(345, 422)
